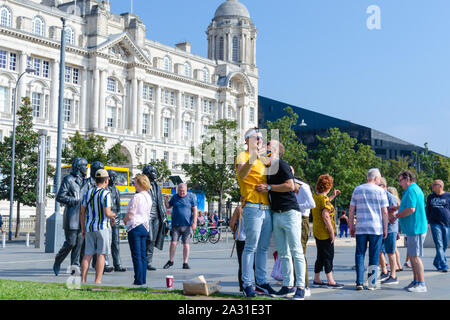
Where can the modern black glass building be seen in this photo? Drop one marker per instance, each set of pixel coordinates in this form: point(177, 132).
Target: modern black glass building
point(312, 123)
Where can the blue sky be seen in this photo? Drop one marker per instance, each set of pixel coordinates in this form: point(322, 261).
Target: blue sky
point(320, 55)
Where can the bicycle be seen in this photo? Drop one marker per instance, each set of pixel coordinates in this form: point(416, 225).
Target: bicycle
point(205, 234)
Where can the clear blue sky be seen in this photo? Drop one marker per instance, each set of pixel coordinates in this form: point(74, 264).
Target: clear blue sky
point(319, 54)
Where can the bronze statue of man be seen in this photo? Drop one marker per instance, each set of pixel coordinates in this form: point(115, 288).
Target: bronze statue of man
point(70, 195)
point(115, 244)
point(158, 217)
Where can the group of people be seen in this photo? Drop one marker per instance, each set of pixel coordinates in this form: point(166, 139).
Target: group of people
point(210, 220)
point(275, 202)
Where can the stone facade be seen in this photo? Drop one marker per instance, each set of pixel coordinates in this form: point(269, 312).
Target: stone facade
point(156, 99)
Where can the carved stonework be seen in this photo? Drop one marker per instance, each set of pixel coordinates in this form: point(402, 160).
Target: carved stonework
point(139, 150)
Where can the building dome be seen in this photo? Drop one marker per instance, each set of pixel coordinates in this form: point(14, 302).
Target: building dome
point(232, 8)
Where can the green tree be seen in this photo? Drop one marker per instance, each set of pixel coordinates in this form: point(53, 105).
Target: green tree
point(295, 152)
point(26, 162)
point(161, 168)
point(215, 176)
point(92, 148)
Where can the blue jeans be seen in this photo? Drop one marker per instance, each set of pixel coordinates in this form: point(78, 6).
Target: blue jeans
point(374, 253)
point(137, 239)
point(441, 235)
point(287, 232)
point(258, 231)
point(343, 228)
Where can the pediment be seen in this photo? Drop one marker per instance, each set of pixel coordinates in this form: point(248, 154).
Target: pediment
point(122, 47)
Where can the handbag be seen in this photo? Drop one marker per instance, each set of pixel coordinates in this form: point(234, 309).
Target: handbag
point(276, 271)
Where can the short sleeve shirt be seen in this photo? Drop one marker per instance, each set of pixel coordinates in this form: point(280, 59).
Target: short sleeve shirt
point(438, 209)
point(182, 209)
point(320, 229)
point(282, 201)
point(415, 223)
point(369, 199)
point(96, 200)
point(256, 176)
point(392, 202)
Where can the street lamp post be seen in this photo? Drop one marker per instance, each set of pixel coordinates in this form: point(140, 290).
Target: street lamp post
point(13, 154)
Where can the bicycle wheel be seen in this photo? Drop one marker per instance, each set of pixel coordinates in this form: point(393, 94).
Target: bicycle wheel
point(214, 236)
point(195, 238)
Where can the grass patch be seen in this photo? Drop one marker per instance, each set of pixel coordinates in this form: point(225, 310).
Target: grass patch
point(26, 290)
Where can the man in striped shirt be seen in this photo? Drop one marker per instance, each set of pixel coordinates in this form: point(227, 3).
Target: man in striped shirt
point(371, 205)
point(94, 215)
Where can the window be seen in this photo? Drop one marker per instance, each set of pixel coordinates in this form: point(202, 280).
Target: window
point(207, 106)
point(70, 36)
point(3, 59)
point(153, 155)
point(68, 110)
point(38, 26)
point(147, 93)
point(45, 69)
point(110, 116)
point(252, 114)
point(36, 103)
point(221, 48)
point(192, 102)
point(145, 123)
point(5, 16)
point(235, 49)
point(205, 130)
point(167, 64)
point(187, 69)
point(111, 86)
point(75, 75)
point(205, 75)
point(3, 99)
point(67, 74)
point(172, 98)
point(12, 61)
point(210, 106)
point(166, 127)
point(37, 67)
point(174, 162)
point(230, 112)
point(166, 157)
point(187, 130)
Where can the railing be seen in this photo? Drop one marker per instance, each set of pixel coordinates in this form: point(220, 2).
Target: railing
point(26, 224)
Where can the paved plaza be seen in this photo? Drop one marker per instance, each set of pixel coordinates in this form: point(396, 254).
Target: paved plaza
point(18, 262)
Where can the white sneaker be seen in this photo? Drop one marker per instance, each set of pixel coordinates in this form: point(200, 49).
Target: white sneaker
point(418, 288)
point(307, 292)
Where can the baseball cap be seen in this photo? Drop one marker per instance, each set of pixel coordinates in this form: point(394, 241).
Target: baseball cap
point(101, 173)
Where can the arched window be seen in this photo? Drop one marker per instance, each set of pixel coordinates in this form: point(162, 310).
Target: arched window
point(70, 36)
point(5, 16)
point(221, 48)
point(236, 49)
point(38, 26)
point(167, 64)
point(187, 69)
point(205, 75)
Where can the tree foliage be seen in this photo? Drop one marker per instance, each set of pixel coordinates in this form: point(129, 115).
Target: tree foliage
point(92, 148)
point(25, 164)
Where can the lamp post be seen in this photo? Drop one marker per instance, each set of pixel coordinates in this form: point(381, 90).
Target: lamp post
point(13, 153)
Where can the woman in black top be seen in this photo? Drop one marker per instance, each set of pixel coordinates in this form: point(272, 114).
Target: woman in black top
point(343, 225)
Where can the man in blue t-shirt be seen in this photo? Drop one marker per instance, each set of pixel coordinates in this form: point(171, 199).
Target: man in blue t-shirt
point(184, 221)
point(438, 215)
point(413, 221)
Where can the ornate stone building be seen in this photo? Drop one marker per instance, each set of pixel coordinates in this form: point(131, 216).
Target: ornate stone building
point(154, 98)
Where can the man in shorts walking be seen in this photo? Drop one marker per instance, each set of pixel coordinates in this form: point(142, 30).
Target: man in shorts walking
point(94, 215)
point(413, 221)
point(184, 222)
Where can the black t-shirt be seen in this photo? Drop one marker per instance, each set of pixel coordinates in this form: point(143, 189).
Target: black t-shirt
point(282, 201)
point(438, 209)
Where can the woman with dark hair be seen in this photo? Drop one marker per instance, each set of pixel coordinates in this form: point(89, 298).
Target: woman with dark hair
point(324, 231)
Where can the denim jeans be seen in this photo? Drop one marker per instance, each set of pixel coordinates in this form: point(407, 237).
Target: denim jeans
point(287, 228)
point(137, 240)
point(258, 231)
point(441, 235)
point(374, 253)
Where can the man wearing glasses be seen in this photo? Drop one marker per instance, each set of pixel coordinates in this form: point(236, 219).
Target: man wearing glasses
point(438, 215)
point(251, 172)
point(413, 221)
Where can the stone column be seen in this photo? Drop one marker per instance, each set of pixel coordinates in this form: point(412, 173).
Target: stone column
point(254, 51)
point(242, 49)
point(102, 102)
point(178, 119)
point(133, 109)
point(217, 110)
point(244, 119)
point(54, 93)
point(213, 47)
point(139, 106)
point(93, 109)
point(157, 118)
point(198, 125)
point(83, 95)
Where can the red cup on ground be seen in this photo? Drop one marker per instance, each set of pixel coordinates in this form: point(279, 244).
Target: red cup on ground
point(169, 282)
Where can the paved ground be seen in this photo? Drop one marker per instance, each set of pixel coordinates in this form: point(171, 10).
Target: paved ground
point(18, 262)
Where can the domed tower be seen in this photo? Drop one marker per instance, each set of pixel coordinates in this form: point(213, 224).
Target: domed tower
point(232, 35)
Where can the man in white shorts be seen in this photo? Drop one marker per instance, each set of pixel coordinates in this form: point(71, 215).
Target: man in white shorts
point(94, 215)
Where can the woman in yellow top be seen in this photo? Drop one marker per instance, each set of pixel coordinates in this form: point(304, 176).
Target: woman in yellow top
point(324, 231)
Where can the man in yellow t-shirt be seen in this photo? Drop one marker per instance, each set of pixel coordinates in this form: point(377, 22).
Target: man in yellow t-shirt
point(251, 171)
